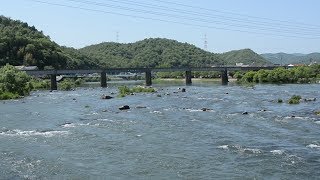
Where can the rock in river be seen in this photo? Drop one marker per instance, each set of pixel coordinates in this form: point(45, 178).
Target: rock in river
point(125, 107)
point(106, 97)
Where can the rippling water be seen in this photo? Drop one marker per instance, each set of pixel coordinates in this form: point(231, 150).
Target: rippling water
point(77, 135)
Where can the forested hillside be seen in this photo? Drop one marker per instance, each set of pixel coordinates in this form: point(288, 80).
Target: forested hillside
point(245, 56)
point(283, 58)
point(21, 44)
point(151, 53)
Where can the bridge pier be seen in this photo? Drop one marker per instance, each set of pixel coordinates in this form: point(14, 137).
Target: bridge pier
point(103, 79)
point(188, 78)
point(148, 78)
point(54, 85)
point(224, 77)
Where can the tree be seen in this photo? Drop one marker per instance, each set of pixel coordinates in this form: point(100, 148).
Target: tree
point(14, 81)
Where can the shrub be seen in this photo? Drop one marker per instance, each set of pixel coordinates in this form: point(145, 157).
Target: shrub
point(14, 83)
point(79, 82)
point(124, 90)
point(8, 95)
point(294, 99)
point(40, 84)
point(67, 85)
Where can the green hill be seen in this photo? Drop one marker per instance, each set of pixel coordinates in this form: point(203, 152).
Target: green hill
point(21, 44)
point(245, 56)
point(166, 53)
point(283, 58)
point(151, 53)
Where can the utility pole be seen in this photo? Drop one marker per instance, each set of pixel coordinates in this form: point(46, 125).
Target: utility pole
point(205, 42)
point(117, 37)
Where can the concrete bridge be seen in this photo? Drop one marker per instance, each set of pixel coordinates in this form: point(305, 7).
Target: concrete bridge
point(148, 76)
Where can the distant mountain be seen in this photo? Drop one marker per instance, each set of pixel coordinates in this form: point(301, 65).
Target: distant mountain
point(283, 58)
point(245, 56)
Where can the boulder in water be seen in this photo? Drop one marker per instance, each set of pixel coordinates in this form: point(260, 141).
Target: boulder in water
point(106, 97)
point(125, 107)
point(310, 99)
point(206, 109)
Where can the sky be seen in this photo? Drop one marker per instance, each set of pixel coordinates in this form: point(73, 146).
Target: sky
point(265, 26)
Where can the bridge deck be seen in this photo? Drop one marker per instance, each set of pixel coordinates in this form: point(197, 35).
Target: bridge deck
point(142, 70)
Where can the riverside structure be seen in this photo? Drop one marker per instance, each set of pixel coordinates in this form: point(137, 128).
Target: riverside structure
point(148, 72)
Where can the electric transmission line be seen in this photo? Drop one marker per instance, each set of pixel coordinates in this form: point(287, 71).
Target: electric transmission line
point(176, 16)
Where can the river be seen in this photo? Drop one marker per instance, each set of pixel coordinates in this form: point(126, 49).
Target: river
point(165, 135)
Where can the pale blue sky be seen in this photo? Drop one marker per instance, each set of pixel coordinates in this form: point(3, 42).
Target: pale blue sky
point(95, 21)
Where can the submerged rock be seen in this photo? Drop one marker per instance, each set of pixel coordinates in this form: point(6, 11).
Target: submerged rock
point(206, 109)
point(125, 107)
point(317, 113)
point(106, 97)
point(141, 107)
point(310, 99)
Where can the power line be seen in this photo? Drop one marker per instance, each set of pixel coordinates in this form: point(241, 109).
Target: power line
point(248, 24)
point(207, 14)
point(169, 21)
point(238, 14)
point(267, 27)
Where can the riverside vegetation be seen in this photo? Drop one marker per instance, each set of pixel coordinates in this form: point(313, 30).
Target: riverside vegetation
point(124, 90)
point(302, 74)
point(15, 83)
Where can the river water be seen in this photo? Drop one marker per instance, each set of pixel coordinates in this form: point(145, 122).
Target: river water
point(77, 135)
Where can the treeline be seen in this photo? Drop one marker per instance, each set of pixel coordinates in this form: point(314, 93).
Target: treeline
point(21, 44)
point(302, 74)
point(160, 53)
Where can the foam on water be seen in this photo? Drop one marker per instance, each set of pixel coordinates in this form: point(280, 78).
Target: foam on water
point(69, 125)
point(240, 149)
point(223, 147)
point(277, 152)
point(313, 146)
point(156, 112)
point(251, 151)
point(17, 132)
